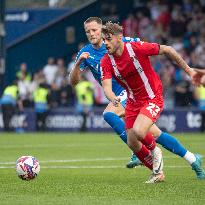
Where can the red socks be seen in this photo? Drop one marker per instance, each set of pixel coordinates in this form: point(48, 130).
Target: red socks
point(149, 141)
point(145, 156)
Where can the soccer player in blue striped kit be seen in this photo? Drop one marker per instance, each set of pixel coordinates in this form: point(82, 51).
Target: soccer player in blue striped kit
point(89, 58)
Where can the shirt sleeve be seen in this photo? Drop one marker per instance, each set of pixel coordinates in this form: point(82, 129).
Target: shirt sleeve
point(105, 67)
point(148, 49)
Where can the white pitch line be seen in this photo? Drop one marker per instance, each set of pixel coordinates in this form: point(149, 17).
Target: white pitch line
point(39, 146)
point(89, 167)
point(87, 160)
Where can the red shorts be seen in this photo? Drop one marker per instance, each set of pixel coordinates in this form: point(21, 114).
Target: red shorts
point(151, 108)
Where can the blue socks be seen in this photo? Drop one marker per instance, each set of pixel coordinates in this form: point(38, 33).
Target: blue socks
point(117, 124)
point(166, 140)
point(171, 144)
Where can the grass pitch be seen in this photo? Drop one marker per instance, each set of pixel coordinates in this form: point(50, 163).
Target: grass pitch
point(89, 169)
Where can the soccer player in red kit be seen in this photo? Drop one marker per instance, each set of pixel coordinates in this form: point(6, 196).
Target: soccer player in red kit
point(130, 65)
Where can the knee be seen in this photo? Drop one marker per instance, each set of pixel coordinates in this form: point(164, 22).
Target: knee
point(139, 132)
point(131, 138)
point(131, 142)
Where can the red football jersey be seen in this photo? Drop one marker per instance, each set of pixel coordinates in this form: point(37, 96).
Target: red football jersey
point(133, 70)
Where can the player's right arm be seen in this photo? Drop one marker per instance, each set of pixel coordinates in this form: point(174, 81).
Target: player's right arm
point(74, 75)
point(106, 79)
point(107, 87)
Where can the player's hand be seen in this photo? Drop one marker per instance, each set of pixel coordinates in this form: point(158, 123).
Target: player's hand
point(83, 56)
point(116, 101)
point(198, 76)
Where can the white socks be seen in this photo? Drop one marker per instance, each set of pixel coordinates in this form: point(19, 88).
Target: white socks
point(189, 157)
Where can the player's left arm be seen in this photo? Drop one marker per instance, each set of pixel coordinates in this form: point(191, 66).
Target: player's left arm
point(171, 53)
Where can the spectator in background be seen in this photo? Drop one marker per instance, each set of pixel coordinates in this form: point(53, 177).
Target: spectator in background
point(71, 63)
point(158, 34)
point(55, 86)
point(38, 78)
point(53, 3)
point(23, 88)
point(23, 73)
point(200, 98)
point(190, 43)
point(183, 93)
point(130, 26)
point(66, 96)
point(168, 87)
point(61, 73)
point(198, 56)
point(50, 71)
point(40, 97)
point(56, 3)
point(155, 9)
point(85, 101)
point(164, 17)
point(109, 11)
point(9, 101)
point(65, 92)
point(183, 89)
point(144, 25)
point(178, 23)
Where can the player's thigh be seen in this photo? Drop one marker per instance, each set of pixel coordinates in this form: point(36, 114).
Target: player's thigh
point(155, 130)
point(132, 140)
point(119, 110)
point(148, 115)
point(142, 125)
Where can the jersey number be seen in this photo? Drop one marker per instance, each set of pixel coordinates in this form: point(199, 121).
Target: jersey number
point(153, 109)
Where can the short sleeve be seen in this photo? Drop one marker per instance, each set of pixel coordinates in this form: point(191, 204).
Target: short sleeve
point(148, 49)
point(106, 69)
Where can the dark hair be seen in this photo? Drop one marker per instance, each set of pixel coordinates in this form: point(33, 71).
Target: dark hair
point(91, 19)
point(112, 28)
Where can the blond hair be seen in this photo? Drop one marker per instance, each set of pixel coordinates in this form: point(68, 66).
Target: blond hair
point(93, 18)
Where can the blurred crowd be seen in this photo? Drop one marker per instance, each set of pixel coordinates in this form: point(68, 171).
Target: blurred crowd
point(180, 25)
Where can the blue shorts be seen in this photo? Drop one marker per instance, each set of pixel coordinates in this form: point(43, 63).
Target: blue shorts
point(123, 98)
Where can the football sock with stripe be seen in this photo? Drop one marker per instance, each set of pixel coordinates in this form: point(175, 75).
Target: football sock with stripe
point(149, 141)
point(145, 157)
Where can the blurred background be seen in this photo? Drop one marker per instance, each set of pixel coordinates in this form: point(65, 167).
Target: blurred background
point(39, 40)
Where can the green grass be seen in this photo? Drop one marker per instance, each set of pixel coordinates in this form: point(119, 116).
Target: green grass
point(93, 172)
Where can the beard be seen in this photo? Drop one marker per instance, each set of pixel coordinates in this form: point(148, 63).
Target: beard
point(110, 50)
point(94, 41)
